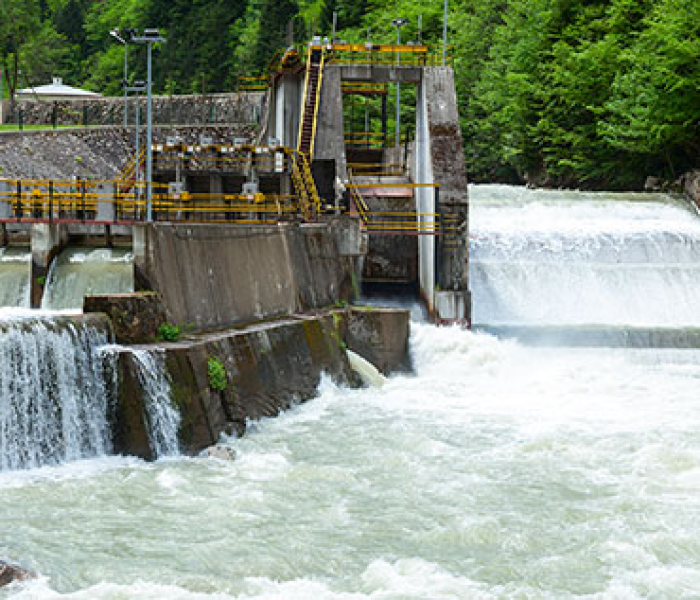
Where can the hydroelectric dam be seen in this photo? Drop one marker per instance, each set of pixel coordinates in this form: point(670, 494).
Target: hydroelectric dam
point(551, 451)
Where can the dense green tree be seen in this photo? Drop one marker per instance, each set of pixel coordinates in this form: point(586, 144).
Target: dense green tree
point(18, 24)
point(564, 92)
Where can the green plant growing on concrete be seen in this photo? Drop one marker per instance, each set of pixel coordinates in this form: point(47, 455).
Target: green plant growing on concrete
point(217, 374)
point(169, 333)
point(335, 334)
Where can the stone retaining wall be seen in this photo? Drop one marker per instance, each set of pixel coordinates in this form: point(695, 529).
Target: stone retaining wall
point(268, 367)
point(97, 153)
point(244, 107)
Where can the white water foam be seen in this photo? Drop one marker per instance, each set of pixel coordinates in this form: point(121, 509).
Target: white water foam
point(567, 258)
point(77, 272)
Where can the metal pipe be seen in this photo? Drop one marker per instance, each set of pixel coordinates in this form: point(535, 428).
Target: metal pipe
point(398, 93)
point(149, 137)
point(149, 37)
point(444, 35)
point(126, 79)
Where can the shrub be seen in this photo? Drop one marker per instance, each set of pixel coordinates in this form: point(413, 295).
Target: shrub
point(217, 374)
point(169, 333)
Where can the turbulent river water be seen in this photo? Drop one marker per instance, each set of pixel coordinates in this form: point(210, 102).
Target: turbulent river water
point(496, 470)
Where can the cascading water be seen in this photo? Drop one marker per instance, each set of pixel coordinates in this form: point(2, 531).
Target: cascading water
point(14, 276)
point(569, 258)
point(53, 398)
point(493, 471)
point(162, 415)
point(77, 272)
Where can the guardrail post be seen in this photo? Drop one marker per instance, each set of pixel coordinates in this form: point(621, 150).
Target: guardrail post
point(105, 202)
point(18, 205)
point(50, 201)
point(83, 209)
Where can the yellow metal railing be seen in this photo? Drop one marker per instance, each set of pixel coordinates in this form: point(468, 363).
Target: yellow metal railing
point(110, 201)
point(351, 87)
point(315, 101)
point(404, 55)
point(129, 172)
point(377, 169)
point(252, 83)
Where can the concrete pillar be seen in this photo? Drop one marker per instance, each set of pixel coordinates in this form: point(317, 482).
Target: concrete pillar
point(5, 200)
point(106, 198)
point(140, 243)
point(286, 104)
point(216, 186)
point(439, 158)
point(330, 133)
point(46, 240)
point(425, 199)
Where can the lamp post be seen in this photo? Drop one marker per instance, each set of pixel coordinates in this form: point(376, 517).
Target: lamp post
point(444, 35)
point(149, 37)
point(115, 34)
point(138, 87)
point(398, 23)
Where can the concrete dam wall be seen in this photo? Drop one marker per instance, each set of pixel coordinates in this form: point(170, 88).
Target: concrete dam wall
point(214, 276)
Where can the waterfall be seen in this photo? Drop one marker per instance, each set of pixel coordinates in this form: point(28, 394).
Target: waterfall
point(14, 276)
point(53, 398)
point(77, 272)
point(553, 258)
point(162, 415)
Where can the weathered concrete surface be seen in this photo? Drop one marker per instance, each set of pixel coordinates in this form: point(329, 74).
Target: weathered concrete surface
point(96, 153)
point(135, 317)
point(379, 335)
point(439, 157)
point(216, 276)
point(381, 73)
point(243, 107)
point(268, 367)
point(330, 133)
point(10, 573)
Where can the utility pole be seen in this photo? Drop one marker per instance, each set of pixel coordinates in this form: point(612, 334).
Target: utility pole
point(138, 87)
point(149, 37)
point(398, 23)
point(444, 35)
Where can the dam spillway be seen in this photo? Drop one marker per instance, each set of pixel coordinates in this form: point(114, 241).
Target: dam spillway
point(597, 262)
point(14, 276)
point(494, 470)
point(77, 272)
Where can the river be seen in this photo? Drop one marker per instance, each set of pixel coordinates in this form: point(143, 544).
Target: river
point(496, 470)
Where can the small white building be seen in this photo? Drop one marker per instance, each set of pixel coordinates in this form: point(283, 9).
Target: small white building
point(54, 91)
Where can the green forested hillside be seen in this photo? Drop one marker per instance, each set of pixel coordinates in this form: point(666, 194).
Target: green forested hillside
point(568, 92)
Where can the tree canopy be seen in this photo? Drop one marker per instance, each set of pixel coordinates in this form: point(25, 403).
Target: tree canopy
point(593, 93)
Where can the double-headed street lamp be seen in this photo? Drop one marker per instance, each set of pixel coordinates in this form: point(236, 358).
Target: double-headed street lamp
point(149, 37)
point(116, 34)
point(398, 23)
